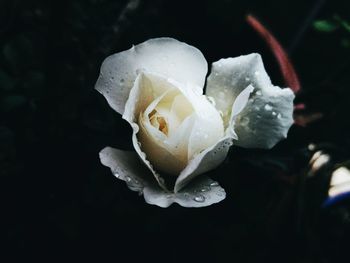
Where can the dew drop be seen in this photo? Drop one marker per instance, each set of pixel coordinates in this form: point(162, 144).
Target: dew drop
point(214, 184)
point(117, 175)
point(257, 73)
point(211, 100)
point(268, 107)
point(205, 189)
point(279, 115)
point(199, 198)
point(258, 93)
point(161, 180)
point(274, 113)
point(247, 79)
point(128, 179)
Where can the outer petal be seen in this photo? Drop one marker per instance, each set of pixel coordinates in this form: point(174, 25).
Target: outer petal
point(127, 166)
point(267, 117)
point(204, 162)
point(133, 109)
point(165, 56)
point(213, 156)
point(201, 192)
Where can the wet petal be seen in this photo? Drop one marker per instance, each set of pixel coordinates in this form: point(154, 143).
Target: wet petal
point(266, 119)
point(135, 105)
point(267, 116)
point(126, 166)
point(165, 56)
point(205, 161)
point(201, 192)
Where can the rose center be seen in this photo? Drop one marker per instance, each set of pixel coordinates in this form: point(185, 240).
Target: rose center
point(159, 122)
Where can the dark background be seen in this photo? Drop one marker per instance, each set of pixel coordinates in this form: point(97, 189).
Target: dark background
point(58, 201)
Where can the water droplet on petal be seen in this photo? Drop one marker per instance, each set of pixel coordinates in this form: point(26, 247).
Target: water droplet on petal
point(211, 100)
point(257, 73)
point(268, 107)
point(214, 184)
point(274, 113)
point(128, 179)
point(199, 198)
point(258, 93)
point(247, 79)
point(205, 189)
point(117, 175)
point(279, 115)
point(161, 180)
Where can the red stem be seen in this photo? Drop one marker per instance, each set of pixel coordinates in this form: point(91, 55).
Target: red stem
point(288, 72)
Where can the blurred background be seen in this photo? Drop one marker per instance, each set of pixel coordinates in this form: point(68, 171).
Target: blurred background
point(58, 201)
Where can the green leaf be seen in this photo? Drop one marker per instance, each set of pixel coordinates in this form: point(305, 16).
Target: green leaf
point(345, 24)
point(325, 26)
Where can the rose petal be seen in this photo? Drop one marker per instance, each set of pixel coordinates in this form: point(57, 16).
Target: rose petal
point(239, 104)
point(126, 166)
point(165, 56)
point(267, 117)
point(133, 110)
point(203, 162)
point(201, 192)
point(166, 153)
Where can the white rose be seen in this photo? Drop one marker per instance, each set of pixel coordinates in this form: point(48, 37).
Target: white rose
point(179, 133)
